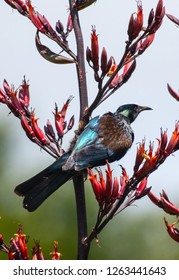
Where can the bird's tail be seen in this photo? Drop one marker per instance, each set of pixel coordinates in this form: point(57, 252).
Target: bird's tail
point(41, 186)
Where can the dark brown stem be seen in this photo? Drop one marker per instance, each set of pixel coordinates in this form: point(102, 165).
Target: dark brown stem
point(83, 248)
point(78, 179)
point(80, 66)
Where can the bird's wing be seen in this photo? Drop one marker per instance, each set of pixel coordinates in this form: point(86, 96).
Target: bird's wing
point(88, 150)
point(88, 136)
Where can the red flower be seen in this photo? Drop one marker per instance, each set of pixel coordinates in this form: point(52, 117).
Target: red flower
point(18, 246)
point(142, 189)
point(145, 43)
point(172, 231)
point(108, 190)
point(151, 160)
point(17, 100)
point(60, 122)
point(19, 5)
point(112, 68)
point(16, 103)
point(140, 155)
point(40, 21)
point(164, 203)
point(3, 246)
point(117, 78)
point(2, 96)
point(37, 131)
point(128, 70)
point(27, 128)
point(95, 50)
point(37, 253)
point(97, 186)
point(155, 199)
point(135, 23)
point(173, 143)
point(55, 254)
point(24, 96)
point(35, 18)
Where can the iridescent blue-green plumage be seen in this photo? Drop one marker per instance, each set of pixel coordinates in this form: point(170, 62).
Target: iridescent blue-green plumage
point(106, 137)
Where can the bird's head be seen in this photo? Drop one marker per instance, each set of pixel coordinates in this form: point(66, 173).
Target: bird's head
point(131, 111)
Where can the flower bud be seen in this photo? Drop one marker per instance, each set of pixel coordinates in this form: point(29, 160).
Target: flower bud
point(69, 24)
point(173, 92)
point(174, 19)
point(59, 27)
point(150, 18)
point(135, 23)
point(95, 50)
point(104, 61)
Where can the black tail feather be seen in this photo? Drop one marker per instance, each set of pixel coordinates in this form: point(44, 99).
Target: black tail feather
point(38, 188)
point(41, 191)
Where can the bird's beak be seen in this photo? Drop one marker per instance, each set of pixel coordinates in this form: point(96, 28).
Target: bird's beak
point(143, 108)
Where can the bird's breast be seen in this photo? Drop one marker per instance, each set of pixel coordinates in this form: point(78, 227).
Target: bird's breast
point(116, 133)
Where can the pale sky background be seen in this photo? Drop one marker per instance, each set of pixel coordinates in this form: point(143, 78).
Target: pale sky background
point(51, 83)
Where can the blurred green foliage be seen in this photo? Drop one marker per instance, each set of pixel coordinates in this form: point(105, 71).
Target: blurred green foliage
point(133, 234)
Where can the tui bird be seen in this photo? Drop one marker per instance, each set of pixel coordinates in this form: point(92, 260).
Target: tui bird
point(106, 137)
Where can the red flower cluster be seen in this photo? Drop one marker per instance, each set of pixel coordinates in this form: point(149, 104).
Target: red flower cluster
point(26, 9)
point(139, 39)
point(18, 102)
point(92, 56)
point(148, 161)
point(112, 190)
point(113, 196)
point(42, 24)
point(144, 40)
point(18, 248)
point(108, 191)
